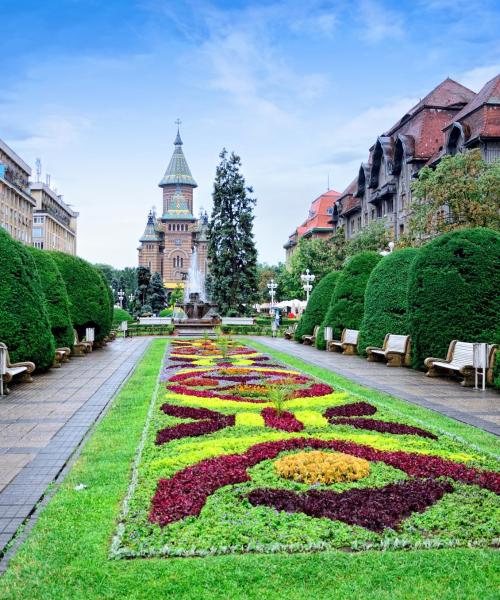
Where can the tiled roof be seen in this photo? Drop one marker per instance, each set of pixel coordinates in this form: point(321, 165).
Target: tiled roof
point(178, 172)
point(150, 233)
point(482, 115)
point(318, 216)
point(350, 204)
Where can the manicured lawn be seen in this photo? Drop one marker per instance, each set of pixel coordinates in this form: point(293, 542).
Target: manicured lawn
point(67, 553)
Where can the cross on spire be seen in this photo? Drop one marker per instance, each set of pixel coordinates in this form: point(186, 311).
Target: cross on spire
point(178, 122)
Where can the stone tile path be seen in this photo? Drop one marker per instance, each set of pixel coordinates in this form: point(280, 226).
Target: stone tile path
point(481, 409)
point(42, 423)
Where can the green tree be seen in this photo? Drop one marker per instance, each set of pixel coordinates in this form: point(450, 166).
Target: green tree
point(453, 292)
point(317, 306)
point(386, 299)
point(231, 249)
point(265, 273)
point(177, 295)
point(347, 305)
point(373, 236)
point(56, 297)
point(120, 279)
point(24, 322)
point(462, 191)
point(157, 295)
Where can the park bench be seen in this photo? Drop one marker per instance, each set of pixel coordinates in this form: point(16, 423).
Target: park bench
point(61, 355)
point(310, 340)
point(290, 332)
point(80, 348)
point(460, 361)
point(10, 370)
point(395, 350)
point(348, 343)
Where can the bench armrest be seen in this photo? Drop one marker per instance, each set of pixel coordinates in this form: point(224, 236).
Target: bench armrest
point(432, 359)
point(30, 366)
point(371, 348)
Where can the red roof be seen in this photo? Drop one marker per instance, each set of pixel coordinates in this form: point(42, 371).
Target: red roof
point(318, 217)
point(426, 120)
point(482, 114)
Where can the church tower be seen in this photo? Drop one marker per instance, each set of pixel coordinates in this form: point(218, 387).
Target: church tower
point(168, 241)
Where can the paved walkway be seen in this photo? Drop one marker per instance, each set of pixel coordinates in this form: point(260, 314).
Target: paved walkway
point(42, 423)
point(481, 409)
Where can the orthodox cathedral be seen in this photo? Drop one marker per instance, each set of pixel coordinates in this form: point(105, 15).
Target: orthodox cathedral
point(169, 241)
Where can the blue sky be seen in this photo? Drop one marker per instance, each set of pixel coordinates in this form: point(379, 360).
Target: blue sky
point(299, 89)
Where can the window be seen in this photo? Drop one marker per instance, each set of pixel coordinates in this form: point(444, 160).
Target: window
point(373, 213)
point(390, 206)
point(352, 225)
point(178, 262)
point(38, 219)
point(37, 232)
point(359, 223)
point(38, 245)
point(170, 227)
point(329, 211)
point(379, 211)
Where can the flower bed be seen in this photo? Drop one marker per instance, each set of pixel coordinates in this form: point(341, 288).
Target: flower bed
point(230, 465)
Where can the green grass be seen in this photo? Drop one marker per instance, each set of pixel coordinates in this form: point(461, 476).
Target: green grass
point(66, 554)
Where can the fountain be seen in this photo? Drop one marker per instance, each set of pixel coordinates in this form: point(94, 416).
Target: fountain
point(201, 315)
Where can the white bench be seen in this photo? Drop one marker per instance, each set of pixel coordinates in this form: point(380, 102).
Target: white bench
point(10, 370)
point(310, 340)
point(80, 348)
point(395, 351)
point(460, 360)
point(348, 343)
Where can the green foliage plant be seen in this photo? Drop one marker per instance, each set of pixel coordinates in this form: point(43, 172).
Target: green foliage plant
point(157, 293)
point(24, 322)
point(231, 250)
point(317, 306)
point(462, 191)
point(386, 299)
point(453, 292)
point(56, 297)
point(89, 295)
point(119, 315)
point(347, 305)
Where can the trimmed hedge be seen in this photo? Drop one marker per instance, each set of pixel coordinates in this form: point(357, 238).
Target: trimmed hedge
point(56, 296)
point(347, 305)
point(386, 299)
point(453, 292)
point(317, 305)
point(89, 295)
point(24, 322)
point(119, 315)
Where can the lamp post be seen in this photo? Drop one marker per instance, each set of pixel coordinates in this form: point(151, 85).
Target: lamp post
point(272, 285)
point(307, 280)
point(121, 296)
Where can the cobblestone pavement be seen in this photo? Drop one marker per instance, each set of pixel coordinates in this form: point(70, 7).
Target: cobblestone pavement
point(42, 423)
point(481, 409)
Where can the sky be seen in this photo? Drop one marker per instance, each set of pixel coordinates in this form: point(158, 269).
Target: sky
point(299, 89)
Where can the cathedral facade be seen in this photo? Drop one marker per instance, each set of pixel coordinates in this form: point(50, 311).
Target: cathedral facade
point(167, 244)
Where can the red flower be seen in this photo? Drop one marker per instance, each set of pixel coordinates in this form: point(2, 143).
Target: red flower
point(285, 421)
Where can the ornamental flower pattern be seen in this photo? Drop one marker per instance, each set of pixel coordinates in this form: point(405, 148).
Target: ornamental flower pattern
point(225, 432)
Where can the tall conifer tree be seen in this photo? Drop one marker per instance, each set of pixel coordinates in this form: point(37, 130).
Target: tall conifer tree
point(231, 251)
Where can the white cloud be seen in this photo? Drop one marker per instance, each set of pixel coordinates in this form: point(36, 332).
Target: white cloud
point(477, 77)
point(379, 22)
point(53, 132)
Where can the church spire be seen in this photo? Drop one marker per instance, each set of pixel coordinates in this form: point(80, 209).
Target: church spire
point(178, 172)
point(150, 233)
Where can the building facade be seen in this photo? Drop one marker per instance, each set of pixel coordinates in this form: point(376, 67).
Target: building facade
point(450, 119)
point(16, 201)
point(168, 243)
point(319, 222)
point(54, 222)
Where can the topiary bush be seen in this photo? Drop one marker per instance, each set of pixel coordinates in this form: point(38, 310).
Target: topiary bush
point(386, 299)
point(56, 297)
point(453, 292)
point(24, 323)
point(166, 312)
point(347, 304)
point(317, 305)
point(89, 295)
point(119, 315)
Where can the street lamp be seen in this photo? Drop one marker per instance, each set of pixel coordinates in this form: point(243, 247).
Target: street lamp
point(121, 295)
point(307, 279)
point(272, 285)
point(131, 297)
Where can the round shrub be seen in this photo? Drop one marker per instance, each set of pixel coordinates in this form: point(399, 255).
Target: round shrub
point(453, 292)
point(56, 297)
point(119, 315)
point(347, 305)
point(89, 295)
point(317, 305)
point(166, 312)
point(24, 323)
point(386, 299)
